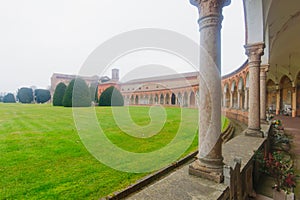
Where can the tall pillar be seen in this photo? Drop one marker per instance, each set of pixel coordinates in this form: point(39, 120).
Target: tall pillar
point(246, 99)
point(294, 101)
point(254, 53)
point(210, 162)
point(263, 91)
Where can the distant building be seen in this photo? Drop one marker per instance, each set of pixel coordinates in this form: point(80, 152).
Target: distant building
point(66, 79)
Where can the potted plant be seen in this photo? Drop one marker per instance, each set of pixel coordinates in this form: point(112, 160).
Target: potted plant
point(280, 166)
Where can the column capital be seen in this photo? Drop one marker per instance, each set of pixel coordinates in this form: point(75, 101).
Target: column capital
point(254, 53)
point(264, 68)
point(210, 12)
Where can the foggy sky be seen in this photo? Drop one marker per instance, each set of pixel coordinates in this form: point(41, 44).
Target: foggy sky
point(39, 38)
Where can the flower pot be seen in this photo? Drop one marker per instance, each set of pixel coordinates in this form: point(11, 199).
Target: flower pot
point(279, 195)
point(282, 195)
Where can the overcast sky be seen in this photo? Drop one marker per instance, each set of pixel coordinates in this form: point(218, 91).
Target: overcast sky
point(39, 38)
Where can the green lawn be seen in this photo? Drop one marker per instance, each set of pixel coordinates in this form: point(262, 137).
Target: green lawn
point(43, 157)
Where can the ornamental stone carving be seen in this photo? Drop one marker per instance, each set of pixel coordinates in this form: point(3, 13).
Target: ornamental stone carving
point(254, 53)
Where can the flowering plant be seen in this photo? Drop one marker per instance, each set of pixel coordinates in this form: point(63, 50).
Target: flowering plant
point(277, 124)
point(280, 167)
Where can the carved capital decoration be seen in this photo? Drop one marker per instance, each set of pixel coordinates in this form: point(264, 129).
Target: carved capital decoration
point(263, 70)
point(210, 11)
point(254, 53)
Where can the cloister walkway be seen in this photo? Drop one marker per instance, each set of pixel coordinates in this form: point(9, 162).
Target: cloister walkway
point(292, 127)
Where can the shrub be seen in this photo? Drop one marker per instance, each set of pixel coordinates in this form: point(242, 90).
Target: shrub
point(111, 97)
point(9, 98)
point(59, 94)
point(42, 96)
point(25, 95)
point(77, 94)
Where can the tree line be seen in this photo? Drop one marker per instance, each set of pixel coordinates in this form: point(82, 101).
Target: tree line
point(75, 94)
point(27, 95)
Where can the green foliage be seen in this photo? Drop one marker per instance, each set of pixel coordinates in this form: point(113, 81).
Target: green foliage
point(25, 95)
point(111, 97)
point(94, 92)
point(42, 96)
point(9, 98)
point(77, 94)
point(59, 94)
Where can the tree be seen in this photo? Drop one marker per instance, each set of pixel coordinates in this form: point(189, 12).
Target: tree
point(9, 98)
point(59, 94)
point(94, 92)
point(77, 94)
point(25, 95)
point(42, 96)
point(111, 97)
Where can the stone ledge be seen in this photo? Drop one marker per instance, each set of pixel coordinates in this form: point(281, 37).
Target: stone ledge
point(149, 179)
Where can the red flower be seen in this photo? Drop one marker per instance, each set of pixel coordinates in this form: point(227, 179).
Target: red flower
point(289, 180)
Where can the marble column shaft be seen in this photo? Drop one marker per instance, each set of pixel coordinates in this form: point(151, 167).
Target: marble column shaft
point(263, 91)
point(294, 102)
point(254, 53)
point(210, 163)
point(246, 99)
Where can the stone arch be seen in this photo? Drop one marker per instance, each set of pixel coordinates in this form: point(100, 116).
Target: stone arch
point(234, 94)
point(271, 96)
point(192, 99)
point(173, 99)
point(136, 100)
point(179, 99)
point(161, 99)
point(167, 99)
point(132, 99)
point(227, 96)
point(286, 91)
point(156, 99)
point(151, 99)
point(185, 99)
point(241, 95)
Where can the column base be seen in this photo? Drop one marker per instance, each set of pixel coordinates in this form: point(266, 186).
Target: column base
point(200, 170)
point(263, 121)
point(254, 132)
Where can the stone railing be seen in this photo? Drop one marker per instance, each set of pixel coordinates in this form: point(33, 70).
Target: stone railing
point(240, 170)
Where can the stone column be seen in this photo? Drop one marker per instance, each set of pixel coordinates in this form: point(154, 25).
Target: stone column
point(277, 100)
point(246, 99)
point(210, 162)
point(254, 53)
point(294, 101)
point(263, 91)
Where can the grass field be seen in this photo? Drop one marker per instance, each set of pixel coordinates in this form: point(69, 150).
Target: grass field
point(42, 156)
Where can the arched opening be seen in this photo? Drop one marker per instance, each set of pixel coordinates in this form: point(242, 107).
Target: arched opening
point(271, 96)
point(227, 96)
point(185, 99)
point(234, 95)
point(241, 95)
point(173, 99)
point(156, 99)
point(286, 95)
point(167, 99)
point(179, 99)
point(151, 99)
point(246, 106)
point(161, 99)
point(132, 99)
point(192, 99)
point(146, 99)
point(136, 100)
